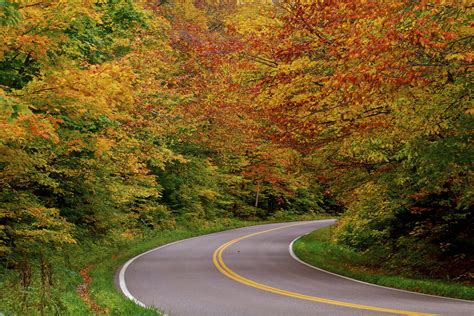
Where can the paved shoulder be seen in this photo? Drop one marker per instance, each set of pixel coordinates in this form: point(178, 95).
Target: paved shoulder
point(249, 271)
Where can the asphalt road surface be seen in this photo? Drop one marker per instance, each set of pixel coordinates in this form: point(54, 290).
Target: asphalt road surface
point(250, 271)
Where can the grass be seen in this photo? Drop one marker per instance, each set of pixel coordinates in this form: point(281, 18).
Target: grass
point(99, 261)
point(317, 250)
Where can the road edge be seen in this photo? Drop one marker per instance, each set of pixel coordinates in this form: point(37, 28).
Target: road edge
point(120, 274)
point(295, 257)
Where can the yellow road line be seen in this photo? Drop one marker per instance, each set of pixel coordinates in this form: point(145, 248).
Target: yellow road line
point(224, 269)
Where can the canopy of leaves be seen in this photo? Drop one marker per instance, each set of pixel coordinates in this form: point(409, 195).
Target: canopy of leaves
point(121, 116)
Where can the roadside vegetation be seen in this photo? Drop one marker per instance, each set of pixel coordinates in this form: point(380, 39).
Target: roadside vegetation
point(319, 250)
point(102, 154)
point(123, 119)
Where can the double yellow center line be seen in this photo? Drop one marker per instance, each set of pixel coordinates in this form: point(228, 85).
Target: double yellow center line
point(224, 269)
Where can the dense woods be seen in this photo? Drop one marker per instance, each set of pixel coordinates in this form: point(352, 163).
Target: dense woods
point(121, 116)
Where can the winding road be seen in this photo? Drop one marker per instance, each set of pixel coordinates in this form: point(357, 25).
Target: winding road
point(250, 271)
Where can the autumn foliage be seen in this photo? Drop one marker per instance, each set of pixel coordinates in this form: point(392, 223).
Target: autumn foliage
point(122, 116)
point(376, 96)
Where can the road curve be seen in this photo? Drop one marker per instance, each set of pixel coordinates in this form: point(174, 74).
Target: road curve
point(249, 271)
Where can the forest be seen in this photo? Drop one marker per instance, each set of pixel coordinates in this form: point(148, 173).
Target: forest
point(120, 118)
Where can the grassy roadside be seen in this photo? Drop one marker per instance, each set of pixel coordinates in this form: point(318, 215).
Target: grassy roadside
point(317, 250)
point(83, 282)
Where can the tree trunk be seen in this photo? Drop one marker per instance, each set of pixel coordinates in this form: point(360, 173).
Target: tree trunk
point(257, 194)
